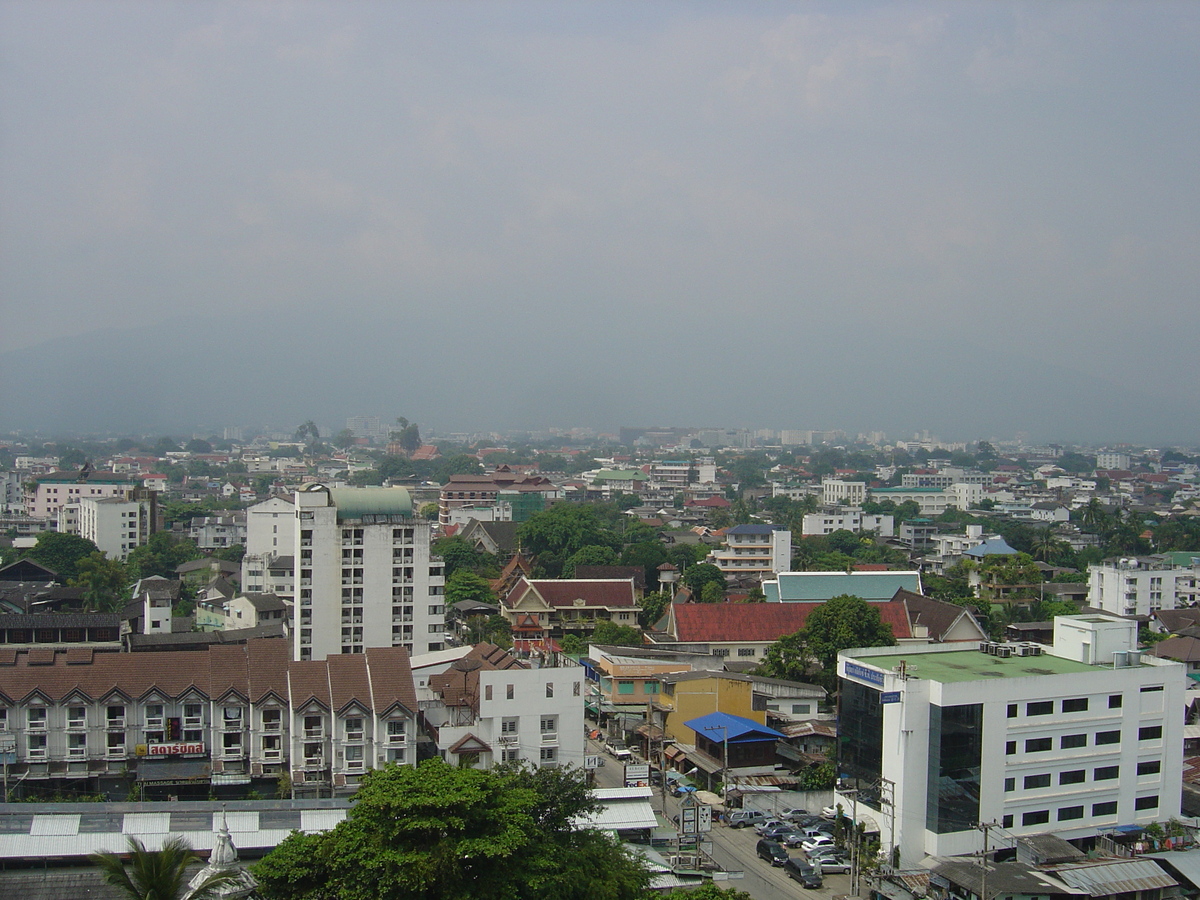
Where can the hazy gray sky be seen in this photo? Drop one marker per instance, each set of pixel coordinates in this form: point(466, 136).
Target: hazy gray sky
point(977, 217)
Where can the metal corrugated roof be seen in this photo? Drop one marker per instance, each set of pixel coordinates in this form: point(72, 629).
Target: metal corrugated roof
point(1114, 877)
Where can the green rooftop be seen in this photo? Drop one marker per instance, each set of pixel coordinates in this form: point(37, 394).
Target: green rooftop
point(974, 665)
point(356, 502)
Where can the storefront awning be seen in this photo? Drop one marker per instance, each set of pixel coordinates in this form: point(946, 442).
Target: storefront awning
point(174, 771)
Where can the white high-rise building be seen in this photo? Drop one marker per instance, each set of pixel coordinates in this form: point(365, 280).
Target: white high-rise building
point(364, 574)
point(1140, 586)
point(116, 525)
point(270, 543)
point(1073, 739)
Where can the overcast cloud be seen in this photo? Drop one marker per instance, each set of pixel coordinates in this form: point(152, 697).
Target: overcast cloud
point(975, 217)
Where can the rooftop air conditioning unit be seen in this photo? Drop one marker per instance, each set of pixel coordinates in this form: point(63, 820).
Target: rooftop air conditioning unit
point(984, 646)
point(1120, 659)
point(1035, 650)
point(1004, 652)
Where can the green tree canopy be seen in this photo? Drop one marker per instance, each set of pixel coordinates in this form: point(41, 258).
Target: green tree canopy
point(158, 874)
point(457, 553)
point(465, 585)
point(607, 632)
point(161, 555)
point(592, 555)
point(654, 606)
point(838, 624)
point(102, 580)
point(698, 575)
point(440, 832)
point(61, 552)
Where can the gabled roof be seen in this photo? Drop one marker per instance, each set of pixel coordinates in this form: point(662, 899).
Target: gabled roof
point(937, 616)
point(563, 593)
point(1182, 649)
point(994, 547)
point(719, 727)
point(459, 684)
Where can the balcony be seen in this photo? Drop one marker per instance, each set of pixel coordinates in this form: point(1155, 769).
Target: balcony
point(549, 737)
point(314, 733)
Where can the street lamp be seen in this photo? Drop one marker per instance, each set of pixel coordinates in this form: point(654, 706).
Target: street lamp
point(725, 755)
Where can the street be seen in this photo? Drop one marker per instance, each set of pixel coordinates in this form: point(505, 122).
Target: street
point(732, 848)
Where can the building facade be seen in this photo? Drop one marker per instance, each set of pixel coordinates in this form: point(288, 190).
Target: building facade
point(117, 525)
point(1082, 736)
point(364, 574)
point(1140, 586)
point(45, 494)
point(754, 550)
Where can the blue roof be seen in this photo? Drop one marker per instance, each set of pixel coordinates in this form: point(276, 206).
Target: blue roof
point(721, 726)
point(995, 547)
point(754, 529)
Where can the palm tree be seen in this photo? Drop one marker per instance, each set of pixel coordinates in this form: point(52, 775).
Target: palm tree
point(1046, 544)
point(158, 874)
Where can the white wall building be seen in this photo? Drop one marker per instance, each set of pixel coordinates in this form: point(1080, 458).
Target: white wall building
point(838, 519)
point(364, 575)
point(847, 493)
point(218, 532)
point(45, 494)
point(1075, 738)
point(116, 525)
point(761, 550)
point(1111, 459)
point(1139, 586)
point(270, 535)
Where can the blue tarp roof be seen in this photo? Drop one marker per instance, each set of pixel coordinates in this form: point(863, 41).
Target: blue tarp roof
point(994, 547)
point(721, 726)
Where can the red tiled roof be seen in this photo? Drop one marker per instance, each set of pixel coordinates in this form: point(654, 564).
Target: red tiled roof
point(756, 622)
point(606, 592)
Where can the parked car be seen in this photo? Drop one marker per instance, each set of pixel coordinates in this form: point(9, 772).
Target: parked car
point(743, 818)
point(829, 812)
point(829, 865)
point(618, 750)
point(767, 824)
point(795, 839)
point(828, 853)
point(772, 852)
point(815, 843)
point(802, 872)
point(792, 814)
point(781, 834)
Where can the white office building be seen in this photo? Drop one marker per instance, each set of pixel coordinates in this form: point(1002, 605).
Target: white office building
point(270, 543)
point(1140, 586)
point(364, 575)
point(1080, 737)
point(841, 519)
point(116, 525)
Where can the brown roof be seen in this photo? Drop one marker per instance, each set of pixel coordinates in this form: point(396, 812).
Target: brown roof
point(936, 615)
point(459, 685)
point(1183, 649)
point(563, 593)
point(761, 622)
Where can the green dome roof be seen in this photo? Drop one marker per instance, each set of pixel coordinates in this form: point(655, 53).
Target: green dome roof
point(357, 502)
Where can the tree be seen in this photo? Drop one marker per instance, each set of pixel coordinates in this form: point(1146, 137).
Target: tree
point(654, 607)
point(198, 445)
point(495, 629)
point(408, 436)
point(709, 891)
point(700, 574)
point(344, 439)
point(233, 553)
point(464, 585)
point(428, 511)
point(607, 632)
point(592, 555)
point(309, 435)
point(787, 658)
point(457, 553)
point(839, 624)
point(61, 552)
point(161, 555)
point(440, 832)
point(712, 592)
point(1047, 545)
point(101, 579)
point(573, 645)
point(158, 874)
point(555, 534)
point(74, 458)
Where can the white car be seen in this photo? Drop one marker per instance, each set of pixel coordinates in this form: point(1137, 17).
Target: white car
point(765, 826)
point(817, 843)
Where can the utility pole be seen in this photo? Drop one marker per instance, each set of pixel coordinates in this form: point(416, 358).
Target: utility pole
point(853, 838)
point(888, 798)
point(985, 827)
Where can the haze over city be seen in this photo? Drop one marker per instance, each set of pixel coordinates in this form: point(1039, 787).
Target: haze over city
point(973, 218)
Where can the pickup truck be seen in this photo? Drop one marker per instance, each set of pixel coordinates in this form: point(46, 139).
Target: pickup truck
point(618, 750)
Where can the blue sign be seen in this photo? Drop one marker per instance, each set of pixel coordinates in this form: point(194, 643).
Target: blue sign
point(862, 673)
point(889, 697)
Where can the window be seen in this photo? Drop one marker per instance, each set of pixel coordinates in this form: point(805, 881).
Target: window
point(1108, 737)
point(77, 717)
point(354, 756)
point(1146, 802)
point(1075, 776)
point(314, 726)
point(1039, 708)
point(1067, 813)
point(1010, 747)
point(549, 688)
point(116, 717)
point(1036, 781)
point(487, 692)
point(649, 687)
point(1012, 710)
point(1106, 773)
point(575, 688)
point(549, 725)
point(1150, 689)
point(272, 719)
point(232, 717)
point(116, 743)
point(745, 651)
point(1109, 808)
point(77, 745)
point(1039, 745)
point(1153, 767)
point(231, 743)
point(354, 729)
point(1076, 704)
point(1114, 701)
point(801, 709)
point(154, 715)
point(508, 726)
point(510, 754)
point(192, 714)
point(1010, 784)
point(508, 692)
point(721, 652)
point(1150, 733)
point(272, 745)
point(1006, 822)
point(1040, 817)
point(624, 687)
point(549, 754)
point(1071, 741)
point(37, 746)
point(312, 754)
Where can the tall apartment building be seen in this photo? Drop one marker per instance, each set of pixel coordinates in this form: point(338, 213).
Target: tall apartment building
point(46, 493)
point(1076, 738)
point(364, 574)
point(848, 493)
point(1140, 586)
point(268, 565)
point(760, 550)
